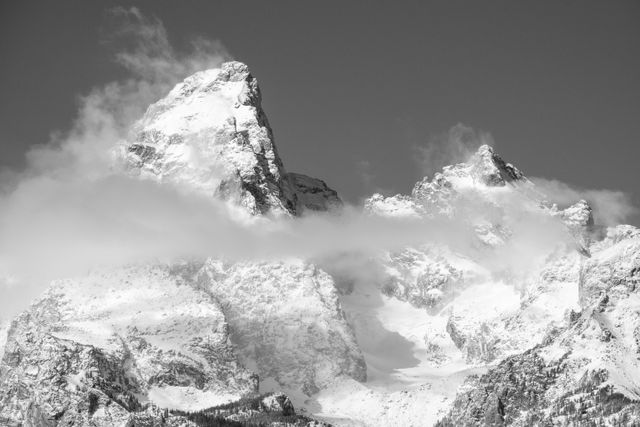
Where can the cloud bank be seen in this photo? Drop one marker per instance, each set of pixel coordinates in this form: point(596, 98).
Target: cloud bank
point(72, 209)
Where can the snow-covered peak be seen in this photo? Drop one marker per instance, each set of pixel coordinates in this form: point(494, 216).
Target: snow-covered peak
point(484, 167)
point(210, 135)
point(578, 215)
point(205, 99)
point(491, 169)
point(482, 171)
point(482, 183)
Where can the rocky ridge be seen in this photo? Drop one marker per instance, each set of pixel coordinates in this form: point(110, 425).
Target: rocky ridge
point(585, 372)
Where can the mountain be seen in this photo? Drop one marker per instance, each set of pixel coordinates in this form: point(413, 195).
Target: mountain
point(114, 346)
point(584, 372)
point(96, 348)
point(513, 312)
point(210, 135)
point(101, 348)
point(428, 316)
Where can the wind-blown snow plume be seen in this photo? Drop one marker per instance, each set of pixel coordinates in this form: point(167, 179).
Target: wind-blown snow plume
point(105, 114)
point(63, 182)
point(151, 57)
point(451, 147)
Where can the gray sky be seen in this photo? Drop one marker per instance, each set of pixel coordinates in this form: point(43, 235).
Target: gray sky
point(349, 84)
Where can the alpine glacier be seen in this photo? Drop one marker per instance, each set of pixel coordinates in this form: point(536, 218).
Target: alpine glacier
point(530, 316)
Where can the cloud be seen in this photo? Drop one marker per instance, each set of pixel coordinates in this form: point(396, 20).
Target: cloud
point(61, 226)
point(365, 173)
point(610, 207)
point(105, 115)
point(73, 208)
point(145, 49)
point(454, 146)
point(363, 168)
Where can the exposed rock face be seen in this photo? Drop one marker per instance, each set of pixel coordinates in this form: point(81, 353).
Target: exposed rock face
point(125, 337)
point(277, 403)
point(579, 221)
point(292, 332)
point(47, 380)
point(489, 168)
point(517, 393)
point(386, 342)
point(463, 190)
point(614, 272)
point(101, 349)
point(422, 277)
point(578, 216)
point(109, 347)
point(313, 194)
point(480, 194)
point(211, 135)
point(585, 373)
point(272, 409)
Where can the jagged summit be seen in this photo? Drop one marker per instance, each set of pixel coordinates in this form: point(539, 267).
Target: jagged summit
point(211, 135)
point(578, 215)
point(489, 167)
point(484, 167)
point(482, 192)
point(481, 173)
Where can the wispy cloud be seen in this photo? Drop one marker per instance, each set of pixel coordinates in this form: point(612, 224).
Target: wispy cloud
point(610, 207)
point(143, 47)
point(71, 196)
point(451, 147)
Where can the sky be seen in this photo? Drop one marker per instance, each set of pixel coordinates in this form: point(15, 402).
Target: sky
point(356, 90)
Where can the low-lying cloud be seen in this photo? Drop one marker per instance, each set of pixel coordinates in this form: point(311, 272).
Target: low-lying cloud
point(73, 208)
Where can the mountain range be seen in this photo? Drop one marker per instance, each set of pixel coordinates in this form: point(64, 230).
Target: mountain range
point(519, 312)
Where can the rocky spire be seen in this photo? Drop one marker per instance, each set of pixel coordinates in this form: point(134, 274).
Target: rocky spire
point(489, 168)
point(210, 135)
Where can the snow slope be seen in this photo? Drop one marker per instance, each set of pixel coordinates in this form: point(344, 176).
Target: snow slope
point(433, 315)
point(167, 337)
point(586, 372)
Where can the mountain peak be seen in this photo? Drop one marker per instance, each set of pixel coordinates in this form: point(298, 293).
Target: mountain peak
point(235, 70)
point(578, 215)
point(211, 135)
point(489, 168)
point(485, 150)
point(484, 167)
